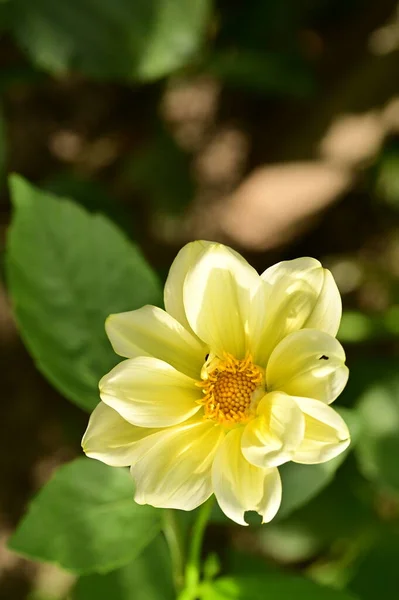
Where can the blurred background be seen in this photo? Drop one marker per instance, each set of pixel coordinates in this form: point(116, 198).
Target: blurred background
point(269, 125)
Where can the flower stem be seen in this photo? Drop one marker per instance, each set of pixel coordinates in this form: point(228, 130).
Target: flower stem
point(193, 565)
point(175, 541)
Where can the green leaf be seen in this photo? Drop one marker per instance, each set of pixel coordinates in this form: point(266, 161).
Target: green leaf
point(139, 40)
point(335, 518)
point(67, 271)
point(270, 587)
point(377, 571)
point(148, 577)
point(378, 407)
point(301, 483)
point(358, 327)
point(85, 520)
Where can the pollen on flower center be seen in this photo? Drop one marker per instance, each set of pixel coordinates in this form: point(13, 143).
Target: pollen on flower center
point(229, 390)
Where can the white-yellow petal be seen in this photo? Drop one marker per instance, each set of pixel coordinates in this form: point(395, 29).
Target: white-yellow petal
point(301, 294)
point(308, 363)
point(150, 393)
point(327, 312)
point(240, 486)
point(271, 438)
point(150, 331)
point(218, 293)
point(110, 438)
point(294, 268)
point(173, 292)
point(326, 433)
point(172, 469)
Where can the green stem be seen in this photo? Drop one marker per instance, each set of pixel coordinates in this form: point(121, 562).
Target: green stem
point(175, 541)
point(193, 565)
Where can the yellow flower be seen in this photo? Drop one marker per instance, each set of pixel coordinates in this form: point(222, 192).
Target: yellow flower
point(234, 379)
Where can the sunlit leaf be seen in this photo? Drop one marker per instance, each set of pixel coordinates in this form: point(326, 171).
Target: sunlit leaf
point(67, 271)
point(85, 520)
point(121, 39)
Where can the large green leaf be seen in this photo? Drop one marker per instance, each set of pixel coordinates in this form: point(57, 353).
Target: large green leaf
point(123, 39)
point(271, 587)
point(148, 577)
point(67, 271)
point(85, 519)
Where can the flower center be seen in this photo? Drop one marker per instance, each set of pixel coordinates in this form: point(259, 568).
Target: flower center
point(229, 390)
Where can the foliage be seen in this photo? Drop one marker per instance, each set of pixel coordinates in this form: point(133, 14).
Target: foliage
point(110, 206)
point(85, 520)
point(117, 40)
point(67, 283)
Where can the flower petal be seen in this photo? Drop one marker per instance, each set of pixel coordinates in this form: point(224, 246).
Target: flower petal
point(218, 293)
point(308, 363)
point(326, 314)
point(301, 294)
point(173, 292)
point(326, 433)
point(240, 486)
point(150, 331)
point(110, 438)
point(150, 393)
point(172, 468)
point(270, 439)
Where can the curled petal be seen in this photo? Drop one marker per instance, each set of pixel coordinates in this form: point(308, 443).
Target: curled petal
point(150, 393)
point(298, 268)
point(326, 433)
point(240, 486)
point(172, 468)
point(327, 312)
point(272, 438)
point(301, 294)
point(218, 293)
point(110, 438)
point(308, 363)
point(150, 331)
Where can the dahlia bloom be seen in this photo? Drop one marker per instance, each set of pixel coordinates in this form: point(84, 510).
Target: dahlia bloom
point(232, 380)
